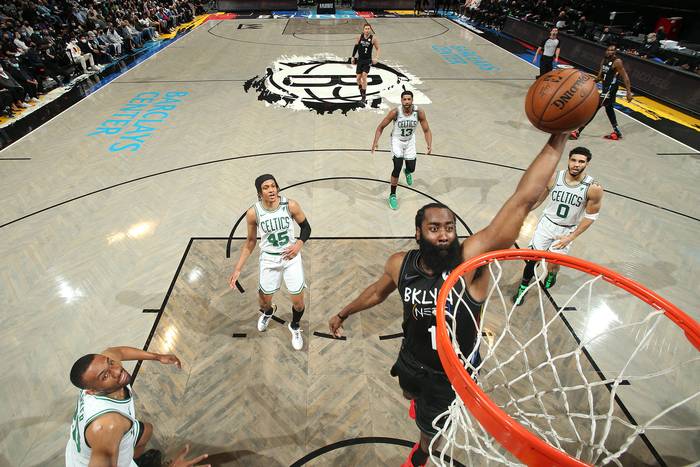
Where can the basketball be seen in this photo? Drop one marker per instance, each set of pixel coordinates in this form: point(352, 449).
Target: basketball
point(561, 101)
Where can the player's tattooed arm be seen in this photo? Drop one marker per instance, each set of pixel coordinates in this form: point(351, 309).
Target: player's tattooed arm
point(390, 117)
point(248, 246)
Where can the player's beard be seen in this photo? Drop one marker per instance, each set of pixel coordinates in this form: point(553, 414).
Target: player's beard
point(440, 259)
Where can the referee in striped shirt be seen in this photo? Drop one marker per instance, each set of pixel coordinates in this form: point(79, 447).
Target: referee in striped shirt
point(550, 52)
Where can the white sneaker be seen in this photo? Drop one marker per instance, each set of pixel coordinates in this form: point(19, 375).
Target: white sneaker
point(264, 319)
point(297, 340)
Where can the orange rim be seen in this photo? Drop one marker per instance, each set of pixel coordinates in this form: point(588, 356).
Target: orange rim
point(526, 446)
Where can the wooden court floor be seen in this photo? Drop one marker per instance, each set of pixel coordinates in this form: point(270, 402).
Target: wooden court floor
point(100, 225)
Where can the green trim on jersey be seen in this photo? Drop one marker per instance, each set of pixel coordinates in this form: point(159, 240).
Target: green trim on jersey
point(582, 182)
point(118, 401)
point(266, 292)
point(283, 202)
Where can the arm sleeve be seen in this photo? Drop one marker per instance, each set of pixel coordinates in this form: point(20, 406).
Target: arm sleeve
point(354, 49)
point(305, 231)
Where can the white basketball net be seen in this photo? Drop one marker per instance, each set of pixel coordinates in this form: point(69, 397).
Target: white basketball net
point(535, 371)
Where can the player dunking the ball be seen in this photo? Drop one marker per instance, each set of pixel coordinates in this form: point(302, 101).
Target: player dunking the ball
point(575, 201)
point(419, 274)
point(403, 140)
point(363, 49)
point(272, 219)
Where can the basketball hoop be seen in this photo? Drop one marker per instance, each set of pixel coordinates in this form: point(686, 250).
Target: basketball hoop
point(533, 401)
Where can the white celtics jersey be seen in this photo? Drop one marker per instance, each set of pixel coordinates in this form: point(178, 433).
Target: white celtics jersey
point(567, 203)
point(275, 228)
point(405, 125)
point(88, 408)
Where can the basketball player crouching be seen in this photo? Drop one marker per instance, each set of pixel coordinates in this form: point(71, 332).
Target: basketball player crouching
point(575, 201)
point(418, 276)
point(271, 218)
point(105, 430)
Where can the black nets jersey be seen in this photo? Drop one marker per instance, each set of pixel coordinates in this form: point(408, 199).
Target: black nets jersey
point(609, 72)
point(364, 48)
point(419, 293)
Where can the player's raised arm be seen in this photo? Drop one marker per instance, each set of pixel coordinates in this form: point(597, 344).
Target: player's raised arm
point(390, 117)
point(504, 228)
point(248, 246)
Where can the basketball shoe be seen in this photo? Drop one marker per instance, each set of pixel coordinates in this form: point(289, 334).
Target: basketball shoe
point(409, 177)
point(297, 340)
point(393, 202)
point(415, 457)
point(615, 135)
point(550, 280)
point(264, 319)
point(519, 296)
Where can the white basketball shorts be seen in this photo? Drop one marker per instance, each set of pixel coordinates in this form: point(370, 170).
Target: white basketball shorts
point(404, 149)
point(547, 233)
point(273, 268)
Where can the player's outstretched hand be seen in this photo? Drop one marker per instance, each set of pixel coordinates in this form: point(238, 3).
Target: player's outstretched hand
point(335, 324)
point(374, 146)
point(430, 150)
point(169, 359)
point(630, 96)
point(180, 460)
point(353, 60)
point(233, 279)
point(374, 61)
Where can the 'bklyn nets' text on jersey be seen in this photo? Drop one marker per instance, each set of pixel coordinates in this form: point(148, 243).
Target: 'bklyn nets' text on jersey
point(405, 125)
point(567, 203)
point(275, 228)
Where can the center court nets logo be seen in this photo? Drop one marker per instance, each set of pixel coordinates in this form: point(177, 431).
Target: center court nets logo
point(328, 83)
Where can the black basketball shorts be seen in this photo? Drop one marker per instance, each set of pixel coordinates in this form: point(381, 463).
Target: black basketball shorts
point(431, 389)
point(363, 66)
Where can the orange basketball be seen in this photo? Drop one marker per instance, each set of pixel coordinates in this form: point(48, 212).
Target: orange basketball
point(562, 100)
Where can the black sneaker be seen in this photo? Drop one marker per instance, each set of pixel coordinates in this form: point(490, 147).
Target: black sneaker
point(519, 296)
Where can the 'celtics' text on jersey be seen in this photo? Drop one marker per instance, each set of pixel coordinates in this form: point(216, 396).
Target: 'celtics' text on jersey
point(567, 203)
point(275, 228)
point(405, 125)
